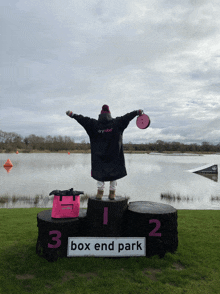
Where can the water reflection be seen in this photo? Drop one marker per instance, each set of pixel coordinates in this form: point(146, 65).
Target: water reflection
point(47, 202)
point(38, 201)
point(8, 168)
point(213, 177)
point(172, 198)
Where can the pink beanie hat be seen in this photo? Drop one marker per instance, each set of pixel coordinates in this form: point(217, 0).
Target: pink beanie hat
point(105, 109)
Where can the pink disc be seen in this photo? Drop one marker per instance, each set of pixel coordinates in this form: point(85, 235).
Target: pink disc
point(143, 121)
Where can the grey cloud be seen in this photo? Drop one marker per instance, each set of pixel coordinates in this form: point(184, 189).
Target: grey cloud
point(78, 87)
point(213, 87)
point(31, 36)
point(160, 56)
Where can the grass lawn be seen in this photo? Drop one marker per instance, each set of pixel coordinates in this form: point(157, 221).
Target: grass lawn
point(194, 268)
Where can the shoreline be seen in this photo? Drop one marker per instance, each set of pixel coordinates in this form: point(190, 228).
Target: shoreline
point(125, 151)
point(6, 200)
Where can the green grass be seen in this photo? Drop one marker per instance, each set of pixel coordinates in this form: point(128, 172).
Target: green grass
point(194, 268)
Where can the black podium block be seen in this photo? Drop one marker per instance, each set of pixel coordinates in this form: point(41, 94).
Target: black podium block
point(53, 233)
point(105, 217)
point(156, 222)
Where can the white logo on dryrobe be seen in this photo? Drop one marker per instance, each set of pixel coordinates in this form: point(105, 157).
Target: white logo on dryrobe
point(106, 246)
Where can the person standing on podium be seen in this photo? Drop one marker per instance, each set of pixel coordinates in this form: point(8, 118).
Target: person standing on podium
point(107, 156)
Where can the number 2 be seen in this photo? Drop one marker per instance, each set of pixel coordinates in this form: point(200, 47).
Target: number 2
point(57, 239)
point(153, 232)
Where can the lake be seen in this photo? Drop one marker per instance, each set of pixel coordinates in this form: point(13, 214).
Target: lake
point(149, 175)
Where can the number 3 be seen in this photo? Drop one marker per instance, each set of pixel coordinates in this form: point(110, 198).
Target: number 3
point(57, 239)
point(153, 232)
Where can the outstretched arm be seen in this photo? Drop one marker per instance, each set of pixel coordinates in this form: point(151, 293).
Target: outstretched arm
point(84, 121)
point(125, 119)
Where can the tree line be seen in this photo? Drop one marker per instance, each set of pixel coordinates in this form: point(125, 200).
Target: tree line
point(11, 142)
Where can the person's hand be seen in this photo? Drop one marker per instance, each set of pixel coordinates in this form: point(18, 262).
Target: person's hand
point(69, 113)
point(140, 112)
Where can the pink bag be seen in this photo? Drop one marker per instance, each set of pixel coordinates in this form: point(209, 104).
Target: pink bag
point(66, 206)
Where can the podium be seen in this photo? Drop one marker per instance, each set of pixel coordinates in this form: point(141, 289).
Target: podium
point(105, 217)
point(109, 228)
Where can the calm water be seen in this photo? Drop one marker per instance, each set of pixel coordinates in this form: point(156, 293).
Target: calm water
point(148, 176)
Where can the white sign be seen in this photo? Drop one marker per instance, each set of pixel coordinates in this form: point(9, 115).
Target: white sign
point(106, 246)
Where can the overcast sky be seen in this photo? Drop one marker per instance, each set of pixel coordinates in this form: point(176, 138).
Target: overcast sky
point(162, 56)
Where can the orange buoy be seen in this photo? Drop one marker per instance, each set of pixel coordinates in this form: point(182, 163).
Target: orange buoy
point(69, 153)
point(17, 152)
point(8, 163)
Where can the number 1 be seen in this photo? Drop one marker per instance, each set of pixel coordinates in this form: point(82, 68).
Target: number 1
point(105, 216)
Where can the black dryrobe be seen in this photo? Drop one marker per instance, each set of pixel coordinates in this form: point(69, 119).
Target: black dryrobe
point(108, 163)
